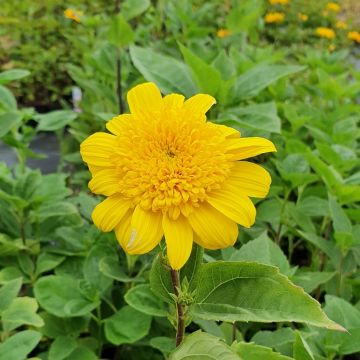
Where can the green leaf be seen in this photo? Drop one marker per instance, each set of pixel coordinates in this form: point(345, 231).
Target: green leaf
point(62, 296)
point(163, 343)
point(160, 280)
point(46, 262)
point(254, 292)
point(259, 77)
point(202, 346)
point(250, 351)
point(55, 120)
point(169, 74)
point(206, 77)
point(22, 311)
point(340, 220)
point(191, 269)
point(258, 116)
point(265, 251)
point(133, 8)
point(301, 350)
point(13, 74)
point(7, 99)
point(310, 280)
point(281, 339)
point(8, 293)
point(18, 346)
point(62, 347)
point(143, 299)
point(83, 353)
point(8, 121)
point(127, 326)
point(120, 32)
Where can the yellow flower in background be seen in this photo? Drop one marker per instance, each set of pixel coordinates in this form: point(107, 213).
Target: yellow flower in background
point(341, 25)
point(73, 14)
point(354, 36)
point(325, 32)
point(168, 172)
point(331, 47)
point(303, 17)
point(221, 33)
point(278, 2)
point(274, 17)
point(333, 7)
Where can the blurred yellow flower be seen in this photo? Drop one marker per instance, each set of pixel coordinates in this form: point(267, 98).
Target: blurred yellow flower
point(333, 7)
point(274, 17)
point(223, 33)
point(73, 14)
point(325, 32)
point(278, 2)
point(303, 17)
point(354, 36)
point(341, 25)
point(331, 47)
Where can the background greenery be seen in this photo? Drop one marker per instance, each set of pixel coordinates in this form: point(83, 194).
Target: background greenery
point(67, 290)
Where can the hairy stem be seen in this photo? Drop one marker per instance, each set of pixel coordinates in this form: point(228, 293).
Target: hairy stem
point(180, 328)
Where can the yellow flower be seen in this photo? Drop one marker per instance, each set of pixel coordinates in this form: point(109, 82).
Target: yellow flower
point(223, 33)
point(303, 17)
point(73, 14)
point(278, 2)
point(333, 7)
point(168, 172)
point(274, 17)
point(325, 32)
point(354, 36)
point(341, 25)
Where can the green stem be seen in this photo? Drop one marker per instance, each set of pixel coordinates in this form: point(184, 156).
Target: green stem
point(180, 327)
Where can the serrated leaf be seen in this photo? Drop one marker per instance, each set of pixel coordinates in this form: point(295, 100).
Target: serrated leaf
point(249, 291)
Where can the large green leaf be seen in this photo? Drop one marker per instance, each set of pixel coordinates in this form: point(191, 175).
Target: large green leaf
point(133, 8)
point(207, 78)
point(250, 351)
point(55, 120)
point(259, 77)
point(8, 121)
point(120, 32)
point(202, 346)
point(249, 291)
point(258, 116)
point(143, 299)
point(13, 74)
point(62, 296)
point(18, 346)
point(127, 326)
point(62, 347)
point(8, 293)
point(7, 99)
point(169, 74)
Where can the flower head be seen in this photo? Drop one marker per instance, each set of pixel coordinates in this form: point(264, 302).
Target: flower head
point(274, 17)
point(278, 2)
point(334, 7)
point(354, 36)
point(73, 14)
point(341, 25)
point(325, 32)
point(303, 17)
point(168, 172)
point(221, 33)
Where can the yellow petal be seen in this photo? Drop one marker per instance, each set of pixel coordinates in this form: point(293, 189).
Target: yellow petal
point(109, 213)
point(213, 229)
point(249, 178)
point(98, 148)
point(123, 229)
point(145, 99)
point(114, 125)
point(179, 239)
point(233, 204)
point(173, 101)
point(244, 148)
point(198, 105)
point(105, 182)
point(146, 231)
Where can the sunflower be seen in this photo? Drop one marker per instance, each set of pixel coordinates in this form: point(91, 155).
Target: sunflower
point(168, 172)
point(325, 32)
point(274, 17)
